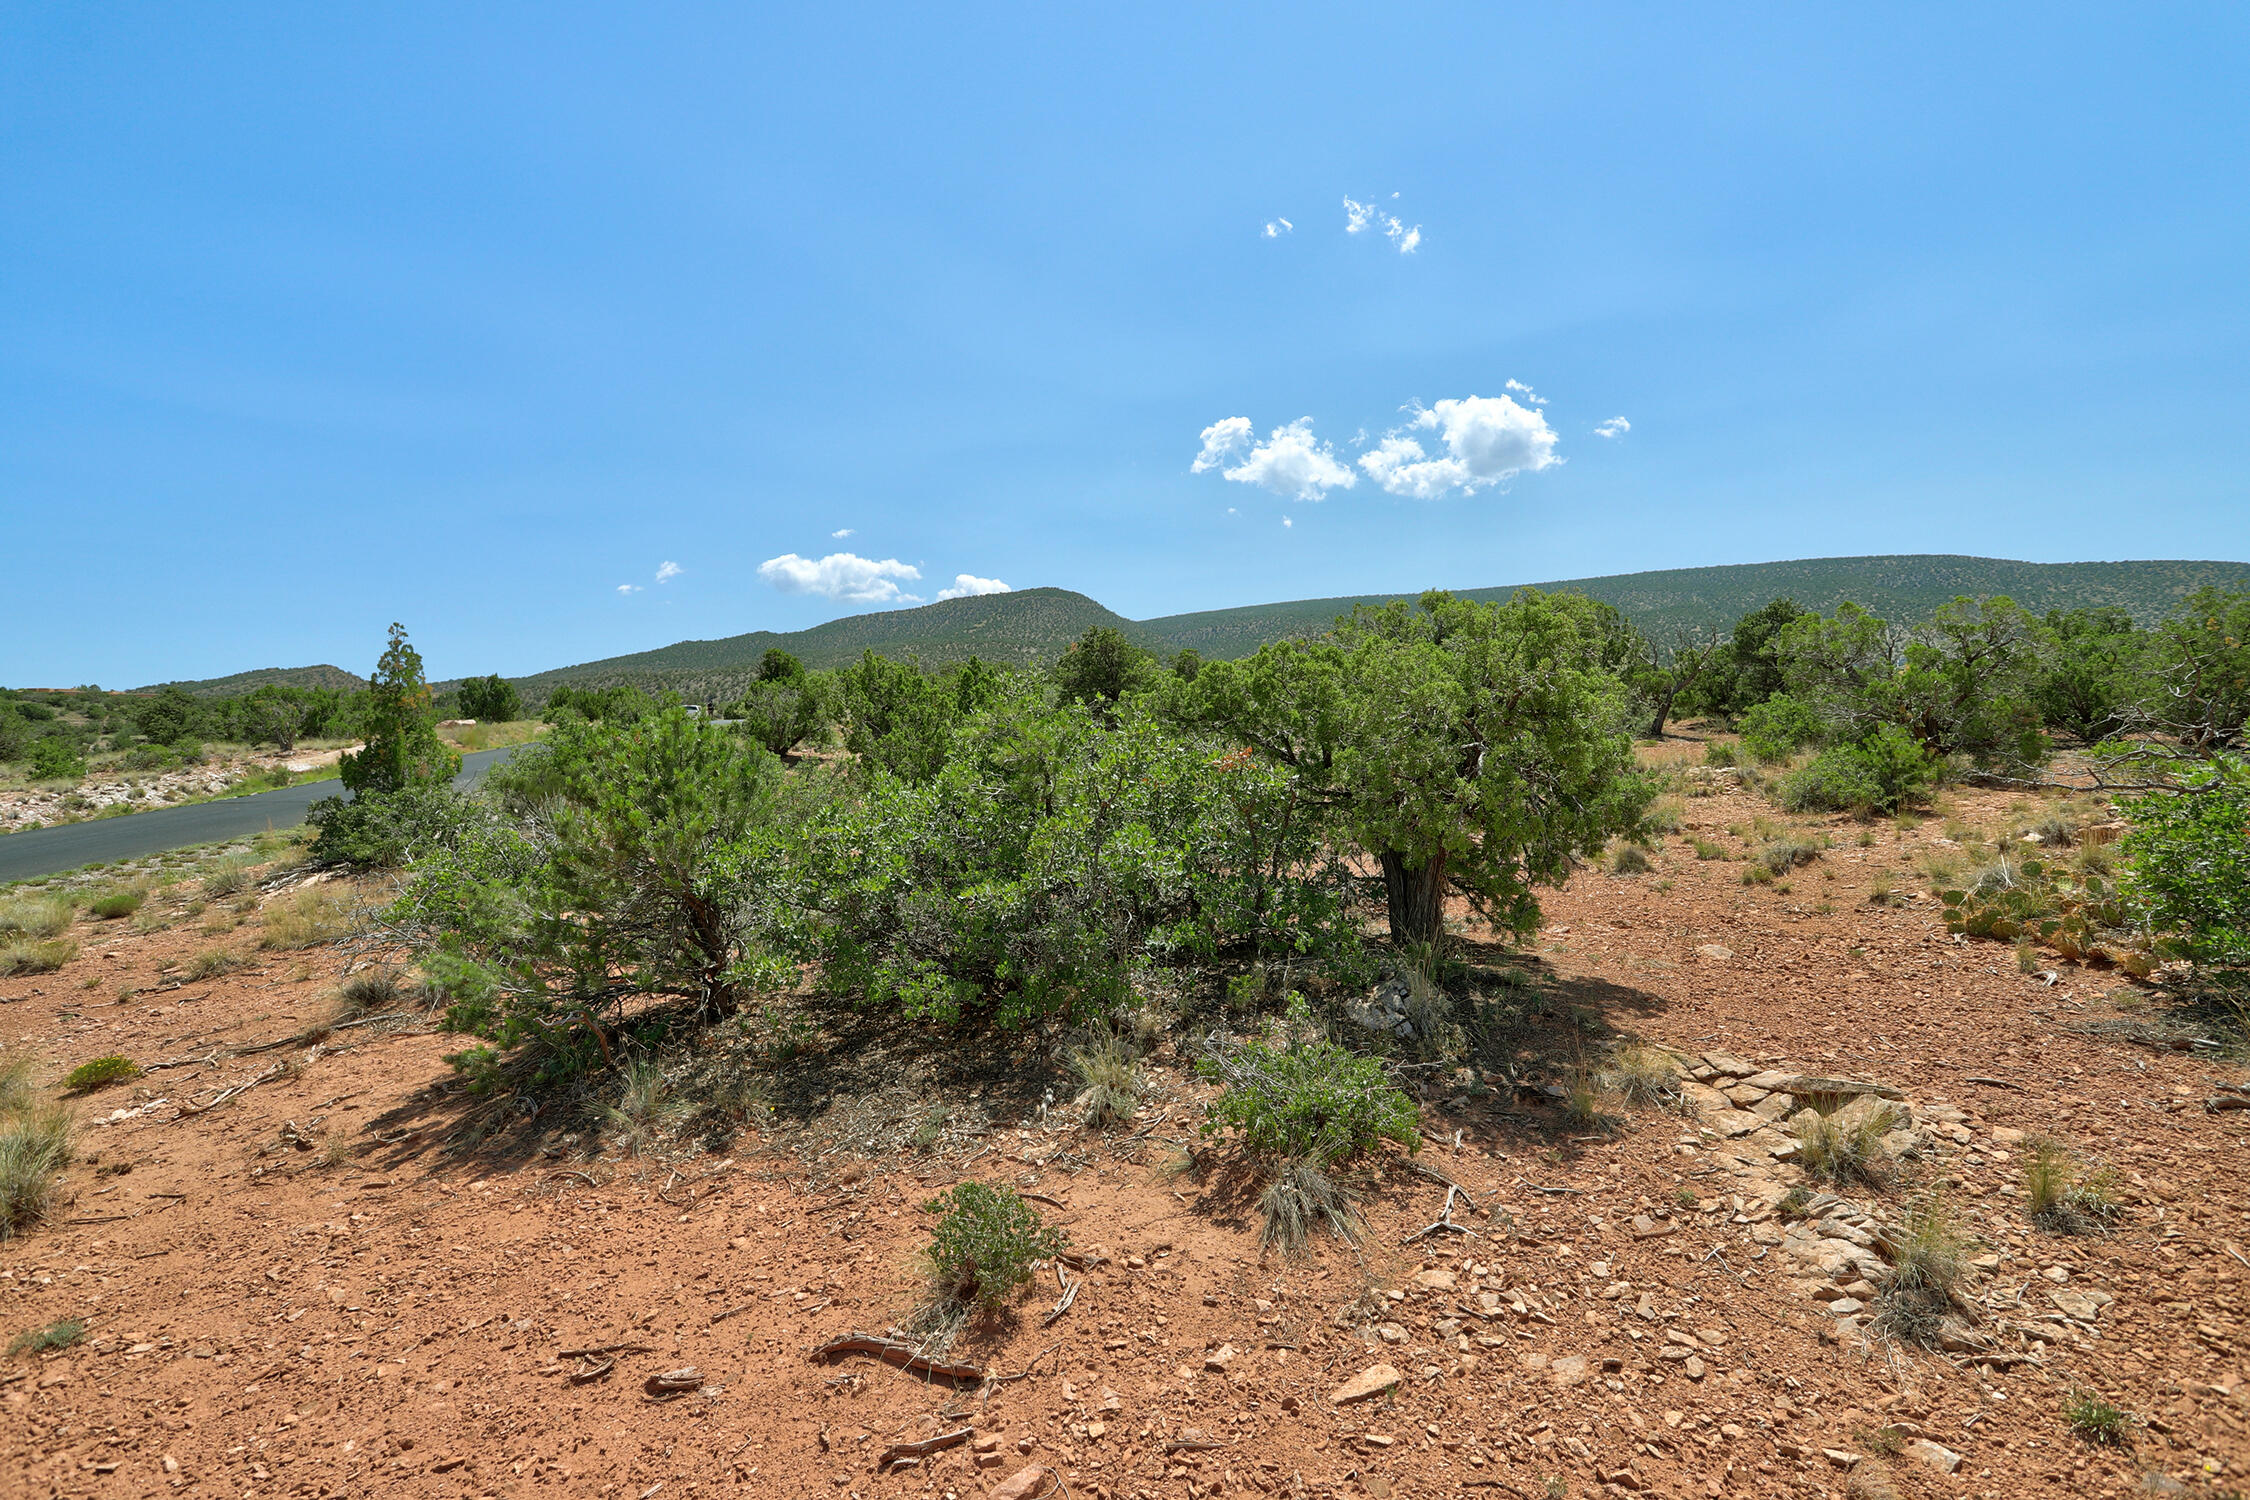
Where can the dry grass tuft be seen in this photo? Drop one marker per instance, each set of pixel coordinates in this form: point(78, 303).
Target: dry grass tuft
point(1301, 1199)
point(29, 956)
point(307, 918)
point(1929, 1257)
point(2064, 1195)
point(34, 917)
point(34, 1148)
point(1641, 1074)
point(1110, 1080)
point(1846, 1147)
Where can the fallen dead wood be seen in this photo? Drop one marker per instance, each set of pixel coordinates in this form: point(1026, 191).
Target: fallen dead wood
point(923, 1449)
point(592, 1369)
point(1070, 1295)
point(1993, 1083)
point(1043, 1198)
point(268, 1076)
point(627, 1347)
point(1190, 1440)
point(1079, 1262)
point(906, 1356)
point(1029, 1365)
point(1444, 1220)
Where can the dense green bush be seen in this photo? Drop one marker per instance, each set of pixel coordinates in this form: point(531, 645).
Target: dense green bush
point(56, 757)
point(2187, 865)
point(489, 700)
point(1881, 774)
point(986, 1244)
point(389, 830)
point(1779, 727)
point(1299, 1097)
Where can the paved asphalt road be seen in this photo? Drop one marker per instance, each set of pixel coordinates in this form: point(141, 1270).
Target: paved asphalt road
point(50, 851)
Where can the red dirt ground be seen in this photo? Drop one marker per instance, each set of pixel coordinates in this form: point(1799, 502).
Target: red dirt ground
point(263, 1322)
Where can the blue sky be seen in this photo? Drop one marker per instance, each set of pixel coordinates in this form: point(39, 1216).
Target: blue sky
point(470, 316)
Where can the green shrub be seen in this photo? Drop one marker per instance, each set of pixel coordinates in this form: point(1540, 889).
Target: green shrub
point(1307, 1099)
point(1878, 775)
point(1705, 849)
point(489, 700)
point(56, 1335)
point(102, 1070)
point(2187, 865)
point(985, 1244)
point(117, 904)
point(56, 757)
point(2094, 1420)
point(1778, 728)
point(389, 830)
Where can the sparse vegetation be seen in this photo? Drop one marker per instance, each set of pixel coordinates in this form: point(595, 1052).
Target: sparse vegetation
point(34, 1147)
point(212, 963)
point(1846, 1147)
point(1641, 1074)
point(61, 1334)
point(1782, 855)
point(2066, 1197)
point(985, 1244)
point(102, 1071)
point(2094, 1419)
point(1110, 1079)
point(305, 918)
point(1929, 1254)
point(34, 918)
point(1629, 859)
point(25, 956)
point(367, 991)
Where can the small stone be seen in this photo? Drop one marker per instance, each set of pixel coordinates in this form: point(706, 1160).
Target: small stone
point(1372, 1381)
point(1844, 1307)
point(1647, 1228)
point(1218, 1359)
point(1390, 1333)
point(2059, 1275)
point(1943, 1459)
point(1436, 1281)
point(1693, 1369)
point(1839, 1457)
point(2002, 1135)
point(1717, 953)
point(1570, 1369)
point(1035, 1479)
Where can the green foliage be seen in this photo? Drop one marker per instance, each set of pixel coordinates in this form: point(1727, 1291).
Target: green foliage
point(783, 711)
point(489, 700)
point(778, 665)
point(617, 704)
point(1886, 771)
point(1299, 1097)
point(628, 859)
point(56, 757)
point(1778, 727)
point(34, 1147)
point(2199, 663)
point(2065, 1196)
point(61, 1334)
point(896, 719)
point(116, 904)
point(986, 1243)
point(400, 718)
point(1102, 667)
point(2186, 868)
point(2088, 683)
point(102, 1070)
point(1049, 856)
point(2096, 1420)
point(385, 830)
point(1477, 748)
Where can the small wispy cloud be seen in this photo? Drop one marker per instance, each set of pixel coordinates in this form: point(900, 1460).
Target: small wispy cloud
point(1528, 394)
point(1361, 217)
point(1288, 520)
point(666, 572)
point(1291, 461)
point(1277, 227)
point(628, 588)
point(840, 575)
point(1614, 427)
point(840, 535)
point(968, 585)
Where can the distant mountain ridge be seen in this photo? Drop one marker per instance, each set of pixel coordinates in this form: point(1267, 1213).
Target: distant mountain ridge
point(323, 676)
point(1033, 626)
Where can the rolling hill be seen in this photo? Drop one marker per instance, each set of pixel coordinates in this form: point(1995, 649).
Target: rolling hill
point(1033, 626)
point(323, 676)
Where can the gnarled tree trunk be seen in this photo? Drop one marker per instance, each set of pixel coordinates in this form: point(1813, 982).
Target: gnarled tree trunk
point(1416, 895)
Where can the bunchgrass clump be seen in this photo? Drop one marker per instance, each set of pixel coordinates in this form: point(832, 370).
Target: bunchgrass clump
point(1929, 1256)
point(306, 919)
point(367, 992)
point(1782, 855)
point(2093, 1419)
point(102, 1071)
point(1300, 1199)
point(985, 1245)
point(32, 956)
point(1795, 1203)
point(1705, 849)
point(1845, 1148)
point(211, 963)
point(1641, 1074)
point(60, 1334)
point(1629, 859)
point(34, 1147)
point(33, 918)
point(226, 878)
point(2065, 1197)
point(1110, 1080)
point(644, 1103)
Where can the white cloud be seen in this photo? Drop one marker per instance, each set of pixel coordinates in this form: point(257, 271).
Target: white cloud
point(628, 588)
point(840, 575)
point(1614, 427)
point(967, 584)
point(1277, 227)
point(1363, 216)
point(1290, 462)
point(1288, 520)
point(1221, 441)
point(666, 572)
point(1488, 440)
point(1527, 393)
point(840, 535)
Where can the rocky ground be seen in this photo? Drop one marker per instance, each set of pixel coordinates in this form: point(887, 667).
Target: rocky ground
point(42, 804)
point(328, 1283)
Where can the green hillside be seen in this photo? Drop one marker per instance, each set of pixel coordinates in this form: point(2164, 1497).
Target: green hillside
point(1897, 588)
point(322, 676)
point(1026, 628)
